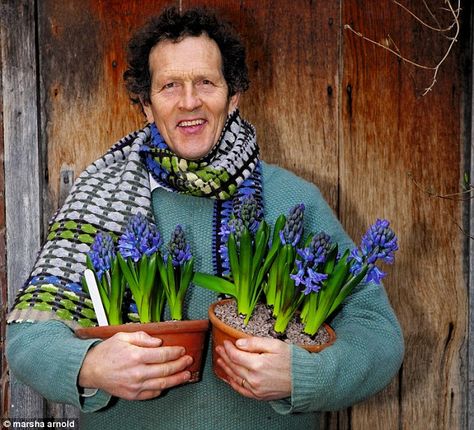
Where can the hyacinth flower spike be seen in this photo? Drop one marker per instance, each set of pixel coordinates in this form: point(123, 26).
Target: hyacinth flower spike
point(314, 263)
point(176, 272)
point(246, 248)
point(103, 262)
point(138, 258)
point(326, 285)
point(345, 273)
point(378, 243)
point(280, 291)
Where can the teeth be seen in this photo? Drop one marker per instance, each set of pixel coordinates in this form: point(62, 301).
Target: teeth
point(191, 123)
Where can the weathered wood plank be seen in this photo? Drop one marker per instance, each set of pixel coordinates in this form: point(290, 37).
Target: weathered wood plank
point(4, 390)
point(22, 170)
point(390, 132)
point(469, 157)
point(82, 55)
point(293, 67)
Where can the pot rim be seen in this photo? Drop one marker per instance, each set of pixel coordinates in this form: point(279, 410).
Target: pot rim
point(240, 334)
point(215, 320)
point(163, 327)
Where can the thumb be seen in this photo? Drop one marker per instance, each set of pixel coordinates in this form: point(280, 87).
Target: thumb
point(140, 338)
point(260, 344)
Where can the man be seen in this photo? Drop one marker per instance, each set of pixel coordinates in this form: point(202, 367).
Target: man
point(188, 72)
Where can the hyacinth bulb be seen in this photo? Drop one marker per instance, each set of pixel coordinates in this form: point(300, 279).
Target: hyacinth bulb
point(139, 238)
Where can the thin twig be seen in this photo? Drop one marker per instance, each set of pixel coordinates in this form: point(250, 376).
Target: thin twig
point(442, 30)
point(453, 41)
point(421, 66)
point(431, 13)
point(459, 196)
point(435, 69)
point(462, 229)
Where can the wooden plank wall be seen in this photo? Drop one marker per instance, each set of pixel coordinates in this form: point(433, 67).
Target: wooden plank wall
point(333, 108)
point(392, 137)
point(22, 171)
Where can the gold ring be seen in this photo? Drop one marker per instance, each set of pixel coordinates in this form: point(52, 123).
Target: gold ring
point(243, 383)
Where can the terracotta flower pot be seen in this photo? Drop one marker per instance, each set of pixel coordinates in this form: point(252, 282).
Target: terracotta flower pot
point(222, 332)
point(189, 334)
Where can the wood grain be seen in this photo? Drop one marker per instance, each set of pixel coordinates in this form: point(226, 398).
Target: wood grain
point(293, 68)
point(4, 390)
point(85, 105)
point(333, 108)
point(21, 159)
point(392, 139)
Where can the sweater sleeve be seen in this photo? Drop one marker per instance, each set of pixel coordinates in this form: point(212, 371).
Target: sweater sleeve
point(369, 343)
point(52, 347)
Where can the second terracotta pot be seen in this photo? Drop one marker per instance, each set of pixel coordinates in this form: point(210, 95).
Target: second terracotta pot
point(222, 332)
point(189, 334)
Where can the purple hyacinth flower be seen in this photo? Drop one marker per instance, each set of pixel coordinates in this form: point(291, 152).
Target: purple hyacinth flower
point(249, 213)
point(293, 229)
point(102, 253)
point(379, 242)
point(320, 246)
point(313, 281)
point(299, 277)
point(375, 274)
point(178, 248)
point(312, 256)
point(139, 238)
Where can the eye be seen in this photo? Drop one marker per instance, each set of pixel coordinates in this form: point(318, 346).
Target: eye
point(169, 86)
point(206, 82)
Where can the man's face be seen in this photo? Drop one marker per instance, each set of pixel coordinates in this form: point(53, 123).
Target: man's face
point(189, 100)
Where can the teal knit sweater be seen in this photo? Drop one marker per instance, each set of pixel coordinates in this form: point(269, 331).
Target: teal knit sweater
point(366, 355)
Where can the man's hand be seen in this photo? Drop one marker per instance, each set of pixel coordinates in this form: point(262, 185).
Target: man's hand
point(134, 366)
point(257, 367)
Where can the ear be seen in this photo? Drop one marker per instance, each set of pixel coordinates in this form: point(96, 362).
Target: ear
point(234, 102)
point(147, 110)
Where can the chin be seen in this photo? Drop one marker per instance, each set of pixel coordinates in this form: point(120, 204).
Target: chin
point(196, 154)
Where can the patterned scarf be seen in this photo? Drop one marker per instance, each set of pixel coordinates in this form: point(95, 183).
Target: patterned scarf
point(117, 186)
point(218, 174)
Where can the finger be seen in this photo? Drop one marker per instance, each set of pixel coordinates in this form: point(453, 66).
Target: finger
point(260, 345)
point(233, 370)
point(162, 370)
point(242, 359)
point(232, 375)
point(252, 359)
point(160, 355)
point(147, 395)
point(239, 384)
point(243, 389)
point(140, 338)
point(160, 384)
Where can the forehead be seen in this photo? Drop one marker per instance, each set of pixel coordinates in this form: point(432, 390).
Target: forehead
point(192, 53)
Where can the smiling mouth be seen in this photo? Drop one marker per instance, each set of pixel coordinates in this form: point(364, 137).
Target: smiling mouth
point(192, 123)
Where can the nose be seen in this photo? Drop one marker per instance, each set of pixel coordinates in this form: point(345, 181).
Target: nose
point(190, 99)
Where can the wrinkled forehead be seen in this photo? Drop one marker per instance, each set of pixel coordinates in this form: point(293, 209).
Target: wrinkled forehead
point(189, 52)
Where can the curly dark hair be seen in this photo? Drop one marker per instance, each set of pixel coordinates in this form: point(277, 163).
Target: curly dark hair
point(174, 26)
